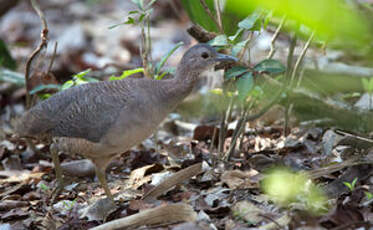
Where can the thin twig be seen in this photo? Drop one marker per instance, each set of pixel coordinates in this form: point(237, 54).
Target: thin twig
point(43, 43)
point(274, 38)
point(211, 15)
point(289, 106)
point(221, 135)
point(52, 58)
point(224, 125)
point(218, 15)
point(243, 51)
point(293, 43)
point(301, 57)
point(265, 109)
point(213, 138)
point(237, 132)
point(144, 48)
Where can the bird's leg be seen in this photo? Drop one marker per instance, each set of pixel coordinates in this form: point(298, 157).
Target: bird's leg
point(100, 173)
point(57, 167)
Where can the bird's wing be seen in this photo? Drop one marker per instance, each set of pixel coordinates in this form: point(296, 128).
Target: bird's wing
point(86, 111)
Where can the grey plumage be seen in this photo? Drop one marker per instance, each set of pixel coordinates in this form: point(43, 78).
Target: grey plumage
point(103, 119)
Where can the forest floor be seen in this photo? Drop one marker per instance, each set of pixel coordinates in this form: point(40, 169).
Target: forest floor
point(209, 193)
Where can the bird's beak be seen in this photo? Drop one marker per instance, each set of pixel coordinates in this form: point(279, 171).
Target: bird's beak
point(225, 59)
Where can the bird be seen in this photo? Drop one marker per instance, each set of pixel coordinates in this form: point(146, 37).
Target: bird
point(101, 120)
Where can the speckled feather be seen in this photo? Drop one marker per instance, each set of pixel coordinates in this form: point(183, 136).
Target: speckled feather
point(102, 119)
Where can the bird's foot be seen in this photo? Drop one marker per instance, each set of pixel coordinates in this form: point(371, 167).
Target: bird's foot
point(57, 190)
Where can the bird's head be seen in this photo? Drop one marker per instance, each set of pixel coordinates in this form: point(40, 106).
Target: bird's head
point(202, 57)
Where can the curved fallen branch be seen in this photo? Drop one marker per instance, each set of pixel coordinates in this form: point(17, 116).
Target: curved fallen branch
point(167, 214)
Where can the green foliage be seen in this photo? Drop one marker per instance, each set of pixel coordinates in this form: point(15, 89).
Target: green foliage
point(286, 187)
point(157, 71)
point(242, 75)
point(6, 59)
point(250, 23)
point(12, 77)
point(367, 85)
point(78, 79)
point(368, 195)
point(333, 20)
point(42, 87)
point(244, 85)
point(220, 40)
point(127, 73)
point(270, 66)
point(67, 205)
point(235, 72)
point(44, 187)
point(351, 185)
point(144, 10)
point(198, 15)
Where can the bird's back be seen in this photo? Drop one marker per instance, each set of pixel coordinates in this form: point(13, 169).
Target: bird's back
point(84, 111)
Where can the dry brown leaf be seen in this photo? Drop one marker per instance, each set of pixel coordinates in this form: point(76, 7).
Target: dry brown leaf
point(172, 213)
point(173, 180)
point(239, 179)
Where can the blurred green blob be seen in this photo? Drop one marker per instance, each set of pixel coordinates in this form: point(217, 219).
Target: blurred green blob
point(331, 19)
point(285, 187)
point(198, 15)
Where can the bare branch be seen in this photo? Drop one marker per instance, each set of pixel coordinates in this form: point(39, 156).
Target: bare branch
point(218, 16)
point(301, 57)
point(52, 58)
point(211, 15)
point(274, 38)
point(43, 43)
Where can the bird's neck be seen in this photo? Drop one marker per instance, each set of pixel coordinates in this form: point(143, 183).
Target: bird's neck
point(179, 87)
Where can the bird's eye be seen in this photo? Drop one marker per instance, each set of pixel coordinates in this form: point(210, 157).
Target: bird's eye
point(205, 55)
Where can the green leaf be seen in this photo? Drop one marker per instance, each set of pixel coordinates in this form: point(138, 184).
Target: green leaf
point(151, 3)
point(45, 96)
point(130, 21)
point(170, 70)
point(6, 59)
point(160, 77)
point(198, 15)
point(42, 87)
point(237, 35)
point(235, 71)
point(139, 3)
point(217, 91)
point(160, 64)
point(249, 22)
point(270, 66)
point(44, 187)
point(267, 19)
point(82, 74)
point(133, 12)
point(142, 16)
point(371, 85)
point(369, 195)
point(67, 84)
point(257, 92)
point(12, 77)
point(365, 83)
point(244, 85)
point(332, 20)
point(127, 73)
point(348, 185)
point(236, 49)
point(354, 182)
point(220, 40)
